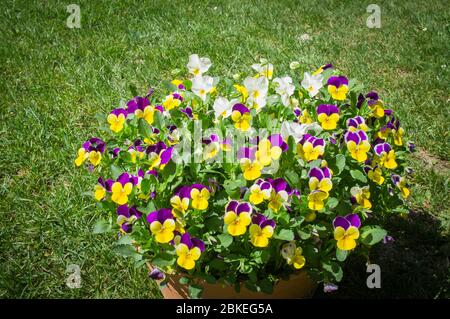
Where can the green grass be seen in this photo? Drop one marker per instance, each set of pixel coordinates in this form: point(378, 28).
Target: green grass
point(54, 80)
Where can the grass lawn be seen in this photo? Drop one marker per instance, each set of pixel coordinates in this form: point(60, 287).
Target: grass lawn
point(55, 80)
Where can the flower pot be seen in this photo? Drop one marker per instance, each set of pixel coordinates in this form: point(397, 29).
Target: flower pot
point(298, 286)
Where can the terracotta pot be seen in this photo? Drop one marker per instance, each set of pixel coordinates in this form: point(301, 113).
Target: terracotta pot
point(298, 286)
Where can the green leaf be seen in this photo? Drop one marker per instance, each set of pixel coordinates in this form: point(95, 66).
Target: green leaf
point(115, 171)
point(163, 260)
point(225, 240)
point(144, 128)
point(358, 175)
point(195, 291)
point(218, 264)
point(101, 226)
point(340, 163)
point(125, 251)
point(292, 177)
point(332, 202)
point(370, 235)
point(285, 234)
point(184, 280)
point(266, 286)
point(341, 255)
point(333, 269)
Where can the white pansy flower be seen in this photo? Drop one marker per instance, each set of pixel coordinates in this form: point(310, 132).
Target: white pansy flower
point(223, 107)
point(202, 85)
point(312, 83)
point(285, 88)
point(198, 66)
point(297, 130)
point(264, 69)
point(257, 91)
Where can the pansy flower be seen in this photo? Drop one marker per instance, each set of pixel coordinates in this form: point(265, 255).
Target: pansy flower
point(401, 184)
point(223, 107)
point(361, 196)
point(375, 104)
point(126, 216)
point(323, 68)
point(137, 151)
point(312, 83)
point(116, 119)
point(199, 195)
point(243, 92)
point(261, 230)
point(180, 200)
point(162, 225)
point(159, 155)
point(264, 69)
point(375, 174)
point(140, 106)
point(237, 217)
point(385, 155)
point(279, 195)
point(270, 149)
point(92, 149)
point(202, 85)
point(241, 117)
point(293, 255)
point(284, 88)
point(398, 133)
point(197, 66)
point(179, 84)
point(316, 199)
point(189, 251)
point(260, 191)
point(257, 89)
point(212, 148)
point(172, 101)
point(102, 187)
point(338, 87)
point(320, 179)
point(251, 167)
point(121, 188)
point(302, 116)
point(357, 144)
point(310, 147)
point(356, 123)
point(328, 116)
point(346, 231)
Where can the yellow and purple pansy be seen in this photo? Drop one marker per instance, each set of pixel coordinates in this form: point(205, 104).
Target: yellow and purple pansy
point(279, 195)
point(328, 116)
point(241, 117)
point(385, 155)
point(159, 155)
point(92, 149)
point(126, 216)
point(346, 231)
point(310, 148)
point(356, 123)
point(188, 250)
point(338, 87)
point(320, 179)
point(401, 184)
point(162, 225)
point(270, 149)
point(323, 68)
point(102, 188)
point(316, 199)
point(261, 230)
point(293, 255)
point(199, 195)
point(172, 101)
point(122, 187)
point(260, 191)
point(251, 167)
point(357, 144)
point(180, 200)
point(302, 116)
point(361, 196)
point(237, 217)
point(375, 174)
point(116, 119)
point(141, 108)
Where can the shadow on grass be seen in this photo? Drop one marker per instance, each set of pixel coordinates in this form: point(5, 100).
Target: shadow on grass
point(415, 265)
